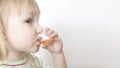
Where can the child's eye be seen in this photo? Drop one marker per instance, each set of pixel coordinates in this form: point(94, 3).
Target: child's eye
point(28, 21)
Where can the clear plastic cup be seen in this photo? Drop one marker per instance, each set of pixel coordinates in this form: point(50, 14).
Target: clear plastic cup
point(45, 40)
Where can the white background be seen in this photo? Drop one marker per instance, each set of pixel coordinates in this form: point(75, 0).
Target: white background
point(90, 30)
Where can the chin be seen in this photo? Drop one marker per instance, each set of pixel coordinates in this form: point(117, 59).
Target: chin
point(35, 50)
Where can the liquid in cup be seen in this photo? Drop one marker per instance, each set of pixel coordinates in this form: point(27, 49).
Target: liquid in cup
point(45, 40)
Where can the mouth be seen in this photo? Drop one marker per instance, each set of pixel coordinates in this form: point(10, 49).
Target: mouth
point(37, 42)
point(42, 39)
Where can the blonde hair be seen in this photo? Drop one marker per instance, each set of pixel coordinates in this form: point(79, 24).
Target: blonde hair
point(8, 7)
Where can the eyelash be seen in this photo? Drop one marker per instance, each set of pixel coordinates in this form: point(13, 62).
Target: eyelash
point(29, 21)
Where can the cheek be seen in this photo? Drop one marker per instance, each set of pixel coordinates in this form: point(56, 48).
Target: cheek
point(21, 37)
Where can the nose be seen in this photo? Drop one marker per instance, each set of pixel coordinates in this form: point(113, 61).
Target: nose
point(39, 29)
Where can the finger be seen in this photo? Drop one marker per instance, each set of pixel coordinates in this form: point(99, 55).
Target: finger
point(50, 32)
point(46, 29)
point(57, 38)
point(53, 35)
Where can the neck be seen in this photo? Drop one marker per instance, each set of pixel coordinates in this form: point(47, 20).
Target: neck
point(15, 56)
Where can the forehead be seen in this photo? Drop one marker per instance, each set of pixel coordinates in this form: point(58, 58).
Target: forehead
point(20, 7)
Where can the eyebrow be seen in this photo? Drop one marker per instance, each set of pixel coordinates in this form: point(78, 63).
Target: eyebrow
point(33, 13)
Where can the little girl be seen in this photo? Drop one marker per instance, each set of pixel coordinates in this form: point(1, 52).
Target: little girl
point(19, 29)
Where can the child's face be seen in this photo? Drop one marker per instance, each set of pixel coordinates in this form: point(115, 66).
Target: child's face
point(22, 31)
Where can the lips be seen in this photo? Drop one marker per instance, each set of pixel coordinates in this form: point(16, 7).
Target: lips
point(36, 42)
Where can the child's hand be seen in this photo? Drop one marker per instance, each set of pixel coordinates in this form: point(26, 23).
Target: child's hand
point(56, 44)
